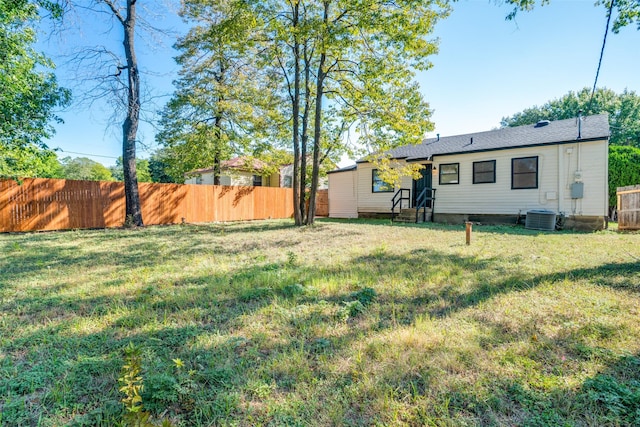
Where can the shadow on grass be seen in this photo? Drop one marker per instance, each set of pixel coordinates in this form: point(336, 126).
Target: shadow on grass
point(609, 397)
point(59, 368)
point(134, 248)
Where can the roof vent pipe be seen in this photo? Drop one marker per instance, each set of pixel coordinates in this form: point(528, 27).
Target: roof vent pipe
point(438, 137)
point(579, 124)
point(471, 140)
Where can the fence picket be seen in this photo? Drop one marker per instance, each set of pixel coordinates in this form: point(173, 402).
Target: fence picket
point(629, 207)
point(55, 204)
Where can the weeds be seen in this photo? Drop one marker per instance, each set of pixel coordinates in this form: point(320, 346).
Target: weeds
point(132, 386)
point(354, 323)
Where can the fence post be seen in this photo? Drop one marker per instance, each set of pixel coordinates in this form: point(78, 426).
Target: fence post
point(628, 207)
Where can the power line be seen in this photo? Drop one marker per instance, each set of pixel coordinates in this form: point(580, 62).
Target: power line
point(87, 154)
point(604, 42)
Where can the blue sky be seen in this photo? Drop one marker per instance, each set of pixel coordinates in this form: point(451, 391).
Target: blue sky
point(487, 68)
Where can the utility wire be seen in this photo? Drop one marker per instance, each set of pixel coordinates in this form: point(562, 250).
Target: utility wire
point(604, 42)
point(87, 154)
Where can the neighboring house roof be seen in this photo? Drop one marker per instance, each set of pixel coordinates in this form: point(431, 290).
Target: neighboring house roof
point(346, 169)
point(553, 132)
point(240, 163)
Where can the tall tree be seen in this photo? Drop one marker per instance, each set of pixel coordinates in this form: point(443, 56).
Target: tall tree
point(126, 16)
point(29, 161)
point(142, 170)
point(224, 101)
point(110, 73)
point(83, 168)
point(30, 93)
point(159, 168)
point(623, 110)
point(352, 60)
point(342, 66)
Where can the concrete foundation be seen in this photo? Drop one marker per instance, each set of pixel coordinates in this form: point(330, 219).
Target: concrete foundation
point(477, 218)
point(577, 223)
point(584, 223)
point(374, 215)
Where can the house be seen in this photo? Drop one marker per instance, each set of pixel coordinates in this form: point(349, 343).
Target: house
point(239, 171)
point(286, 174)
point(242, 171)
point(491, 177)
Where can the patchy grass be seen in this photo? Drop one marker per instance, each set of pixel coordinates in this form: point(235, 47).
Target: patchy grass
point(346, 323)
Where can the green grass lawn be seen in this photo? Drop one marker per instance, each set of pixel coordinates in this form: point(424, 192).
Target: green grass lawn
point(346, 323)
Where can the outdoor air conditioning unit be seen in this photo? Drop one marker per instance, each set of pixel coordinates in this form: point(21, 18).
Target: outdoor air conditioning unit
point(541, 220)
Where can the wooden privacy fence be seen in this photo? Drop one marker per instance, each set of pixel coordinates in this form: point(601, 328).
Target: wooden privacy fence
point(57, 204)
point(628, 207)
point(322, 203)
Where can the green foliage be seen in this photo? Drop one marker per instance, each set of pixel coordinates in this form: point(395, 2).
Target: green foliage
point(619, 400)
point(224, 104)
point(132, 386)
point(624, 169)
point(29, 161)
point(623, 110)
point(293, 290)
point(351, 309)
point(142, 170)
point(292, 259)
point(159, 168)
point(30, 93)
point(309, 72)
point(367, 75)
point(83, 168)
point(365, 296)
point(360, 300)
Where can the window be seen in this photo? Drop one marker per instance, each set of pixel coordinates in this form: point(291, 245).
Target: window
point(378, 185)
point(257, 180)
point(524, 173)
point(287, 181)
point(484, 172)
point(449, 173)
point(199, 179)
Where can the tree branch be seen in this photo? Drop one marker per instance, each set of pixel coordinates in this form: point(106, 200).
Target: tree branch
point(115, 10)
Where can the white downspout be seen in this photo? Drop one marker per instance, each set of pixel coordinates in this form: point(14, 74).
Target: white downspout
point(560, 177)
point(579, 170)
point(606, 180)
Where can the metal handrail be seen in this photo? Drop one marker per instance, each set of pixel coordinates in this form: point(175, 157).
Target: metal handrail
point(397, 198)
point(421, 202)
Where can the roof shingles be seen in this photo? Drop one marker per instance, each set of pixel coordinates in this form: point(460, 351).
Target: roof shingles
point(559, 131)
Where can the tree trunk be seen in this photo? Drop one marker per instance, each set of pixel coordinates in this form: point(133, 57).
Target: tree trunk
point(296, 121)
point(317, 127)
point(305, 136)
point(133, 211)
point(216, 156)
point(218, 126)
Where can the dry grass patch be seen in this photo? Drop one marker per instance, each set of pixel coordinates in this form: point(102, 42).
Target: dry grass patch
point(345, 323)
